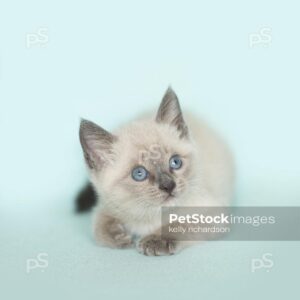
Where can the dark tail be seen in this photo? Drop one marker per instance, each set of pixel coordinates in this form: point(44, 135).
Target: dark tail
point(86, 199)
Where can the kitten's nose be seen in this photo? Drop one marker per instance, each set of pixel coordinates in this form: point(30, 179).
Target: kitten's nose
point(166, 183)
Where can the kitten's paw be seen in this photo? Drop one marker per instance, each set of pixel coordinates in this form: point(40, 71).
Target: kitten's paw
point(112, 233)
point(154, 245)
point(119, 237)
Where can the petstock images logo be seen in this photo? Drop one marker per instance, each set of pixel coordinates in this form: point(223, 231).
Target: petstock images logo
point(231, 223)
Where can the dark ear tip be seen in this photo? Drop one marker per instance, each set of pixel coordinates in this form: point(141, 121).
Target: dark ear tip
point(83, 122)
point(82, 125)
point(170, 91)
point(170, 88)
point(170, 96)
point(86, 125)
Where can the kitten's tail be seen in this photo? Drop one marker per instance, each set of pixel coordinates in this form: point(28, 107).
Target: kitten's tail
point(86, 199)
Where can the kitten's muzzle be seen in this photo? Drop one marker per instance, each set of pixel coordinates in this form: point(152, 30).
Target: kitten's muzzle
point(166, 183)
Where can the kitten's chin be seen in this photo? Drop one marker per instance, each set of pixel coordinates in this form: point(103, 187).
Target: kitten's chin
point(169, 198)
point(172, 201)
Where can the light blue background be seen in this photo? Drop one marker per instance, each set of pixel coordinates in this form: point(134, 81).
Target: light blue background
point(109, 61)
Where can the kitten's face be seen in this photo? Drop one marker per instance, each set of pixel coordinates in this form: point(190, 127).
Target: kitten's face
point(152, 165)
point(146, 164)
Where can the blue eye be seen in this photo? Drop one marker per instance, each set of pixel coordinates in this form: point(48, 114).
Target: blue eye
point(139, 173)
point(175, 162)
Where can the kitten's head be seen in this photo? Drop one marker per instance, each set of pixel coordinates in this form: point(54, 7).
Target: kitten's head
point(146, 164)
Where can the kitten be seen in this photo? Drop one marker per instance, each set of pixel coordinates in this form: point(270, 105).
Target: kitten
point(153, 162)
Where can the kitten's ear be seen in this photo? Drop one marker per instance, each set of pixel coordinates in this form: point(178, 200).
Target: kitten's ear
point(96, 143)
point(169, 112)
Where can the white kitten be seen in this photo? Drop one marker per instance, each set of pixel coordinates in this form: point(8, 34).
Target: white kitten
point(166, 160)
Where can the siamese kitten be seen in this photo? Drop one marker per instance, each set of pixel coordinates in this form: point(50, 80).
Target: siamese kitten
point(169, 159)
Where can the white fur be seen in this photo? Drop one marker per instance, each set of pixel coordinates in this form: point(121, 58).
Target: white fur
point(209, 183)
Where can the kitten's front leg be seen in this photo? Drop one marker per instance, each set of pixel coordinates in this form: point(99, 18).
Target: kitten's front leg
point(155, 245)
point(110, 232)
point(158, 244)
